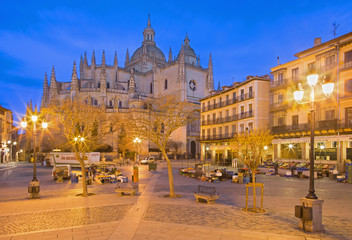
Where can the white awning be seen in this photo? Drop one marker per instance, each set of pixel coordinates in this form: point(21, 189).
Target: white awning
point(316, 139)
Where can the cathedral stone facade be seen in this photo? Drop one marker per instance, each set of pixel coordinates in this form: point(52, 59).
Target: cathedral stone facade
point(146, 74)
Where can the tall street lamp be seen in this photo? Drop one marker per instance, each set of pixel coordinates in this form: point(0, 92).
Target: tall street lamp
point(327, 88)
point(310, 201)
point(33, 187)
point(137, 141)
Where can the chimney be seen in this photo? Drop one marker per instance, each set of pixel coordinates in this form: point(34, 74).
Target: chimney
point(317, 41)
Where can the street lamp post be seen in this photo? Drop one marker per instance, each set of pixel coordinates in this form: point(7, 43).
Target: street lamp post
point(33, 187)
point(327, 87)
point(137, 141)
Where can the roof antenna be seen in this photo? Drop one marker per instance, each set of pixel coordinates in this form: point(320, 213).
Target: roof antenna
point(335, 26)
point(278, 60)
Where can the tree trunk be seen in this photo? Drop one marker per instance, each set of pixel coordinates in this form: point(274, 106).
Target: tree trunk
point(254, 193)
point(171, 177)
point(83, 169)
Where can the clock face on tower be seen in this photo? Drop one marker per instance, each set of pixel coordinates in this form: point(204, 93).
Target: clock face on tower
point(192, 85)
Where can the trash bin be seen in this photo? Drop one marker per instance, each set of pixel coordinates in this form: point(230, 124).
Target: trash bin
point(152, 166)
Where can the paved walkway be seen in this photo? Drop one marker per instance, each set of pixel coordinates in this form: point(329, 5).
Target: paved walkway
point(151, 216)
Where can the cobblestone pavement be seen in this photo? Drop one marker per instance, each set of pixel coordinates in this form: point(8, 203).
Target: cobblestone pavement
point(37, 221)
point(236, 219)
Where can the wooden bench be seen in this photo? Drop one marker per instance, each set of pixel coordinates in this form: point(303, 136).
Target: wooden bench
point(207, 194)
point(124, 189)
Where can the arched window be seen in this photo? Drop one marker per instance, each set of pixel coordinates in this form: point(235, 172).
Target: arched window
point(110, 103)
point(147, 37)
point(120, 103)
point(151, 87)
point(165, 84)
point(107, 85)
point(98, 85)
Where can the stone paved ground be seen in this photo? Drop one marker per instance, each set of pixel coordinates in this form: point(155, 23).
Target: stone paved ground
point(19, 223)
point(100, 216)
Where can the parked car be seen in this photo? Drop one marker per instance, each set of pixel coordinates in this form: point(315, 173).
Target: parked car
point(147, 160)
point(65, 170)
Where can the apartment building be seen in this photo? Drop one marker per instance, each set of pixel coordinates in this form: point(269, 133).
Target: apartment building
point(5, 131)
point(237, 108)
point(333, 117)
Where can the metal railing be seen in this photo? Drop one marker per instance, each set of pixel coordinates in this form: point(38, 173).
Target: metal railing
point(229, 118)
point(225, 103)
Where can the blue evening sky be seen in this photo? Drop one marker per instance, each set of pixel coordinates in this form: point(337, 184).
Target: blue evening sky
point(244, 37)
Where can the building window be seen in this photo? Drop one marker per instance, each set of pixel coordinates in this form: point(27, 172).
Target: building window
point(329, 114)
point(95, 102)
point(280, 98)
point(220, 101)
point(208, 132)
point(250, 108)
point(214, 132)
point(110, 103)
point(234, 97)
point(107, 85)
point(281, 121)
point(329, 61)
point(214, 117)
point(151, 87)
point(348, 59)
point(220, 131)
point(120, 103)
point(242, 94)
point(227, 100)
point(98, 85)
point(165, 84)
point(311, 67)
point(242, 128)
point(250, 126)
point(242, 110)
point(295, 74)
point(203, 133)
point(233, 129)
point(334, 144)
point(226, 131)
point(295, 120)
point(234, 111)
point(348, 87)
point(250, 92)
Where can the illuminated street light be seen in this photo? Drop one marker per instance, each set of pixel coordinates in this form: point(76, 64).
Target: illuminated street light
point(327, 88)
point(265, 148)
point(34, 187)
point(137, 141)
point(290, 146)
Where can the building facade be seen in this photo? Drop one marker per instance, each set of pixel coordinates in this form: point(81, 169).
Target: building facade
point(145, 74)
point(6, 127)
point(333, 117)
point(235, 109)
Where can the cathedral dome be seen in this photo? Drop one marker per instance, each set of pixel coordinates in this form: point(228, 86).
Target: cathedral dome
point(150, 50)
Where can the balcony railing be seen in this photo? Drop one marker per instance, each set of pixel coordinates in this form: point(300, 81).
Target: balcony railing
point(319, 125)
point(346, 66)
point(223, 136)
point(278, 83)
point(240, 98)
point(229, 118)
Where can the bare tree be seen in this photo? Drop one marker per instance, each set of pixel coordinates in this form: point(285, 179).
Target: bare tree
point(249, 147)
point(175, 145)
point(164, 115)
point(82, 124)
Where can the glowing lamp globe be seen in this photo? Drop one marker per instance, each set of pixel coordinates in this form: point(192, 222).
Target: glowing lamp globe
point(328, 88)
point(312, 79)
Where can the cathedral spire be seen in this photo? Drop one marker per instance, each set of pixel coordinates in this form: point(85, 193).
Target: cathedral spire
point(170, 55)
point(93, 59)
point(131, 83)
point(148, 33)
point(210, 77)
point(74, 79)
point(149, 24)
point(103, 59)
point(186, 41)
point(127, 61)
point(181, 77)
point(115, 60)
point(45, 97)
point(53, 86)
point(85, 61)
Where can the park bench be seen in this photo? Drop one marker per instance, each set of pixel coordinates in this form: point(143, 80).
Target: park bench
point(207, 194)
point(123, 189)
